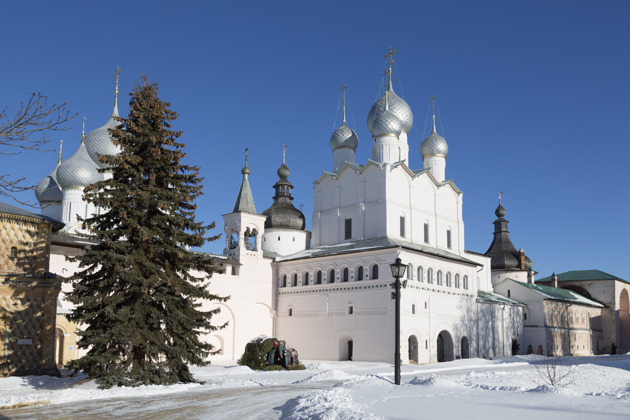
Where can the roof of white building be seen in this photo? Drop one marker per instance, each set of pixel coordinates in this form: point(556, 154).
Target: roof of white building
point(382, 242)
point(556, 293)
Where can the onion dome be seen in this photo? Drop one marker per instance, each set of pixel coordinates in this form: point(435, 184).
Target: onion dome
point(434, 145)
point(503, 253)
point(282, 214)
point(386, 123)
point(99, 141)
point(396, 106)
point(78, 171)
point(344, 137)
point(47, 190)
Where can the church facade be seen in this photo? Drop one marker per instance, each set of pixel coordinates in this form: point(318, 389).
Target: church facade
point(329, 292)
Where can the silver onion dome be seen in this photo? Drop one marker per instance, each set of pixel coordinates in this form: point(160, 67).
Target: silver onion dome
point(386, 123)
point(434, 145)
point(99, 141)
point(47, 190)
point(78, 171)
point(344, 137)
point(396, 105)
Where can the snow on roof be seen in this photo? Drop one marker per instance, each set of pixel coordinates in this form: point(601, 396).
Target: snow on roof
point(489, 297)
point(557, 293)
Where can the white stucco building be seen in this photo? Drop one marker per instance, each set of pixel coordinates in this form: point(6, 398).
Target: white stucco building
point(328, 293)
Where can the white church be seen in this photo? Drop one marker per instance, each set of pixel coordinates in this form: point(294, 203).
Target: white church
point(328, 292)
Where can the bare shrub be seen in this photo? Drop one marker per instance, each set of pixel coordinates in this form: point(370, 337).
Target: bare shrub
point(553, 372)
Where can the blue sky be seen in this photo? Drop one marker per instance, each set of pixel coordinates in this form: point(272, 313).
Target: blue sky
point(532, 97)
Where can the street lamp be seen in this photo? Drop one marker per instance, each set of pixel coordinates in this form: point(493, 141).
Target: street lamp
point(398, 271)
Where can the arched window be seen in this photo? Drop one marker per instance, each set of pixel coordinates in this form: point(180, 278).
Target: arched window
point(305, 279)
point(430, 276)
point(448, 280)
point(284, 281)
point(318, 277)
point(13, 253)
point(439, 277)
point(375, 272)
point(409, 272)
point(294, 282)
point(359, 273)
point(457, 284)
point(426, 232)
point(466, 282)
point(449, 243)
point(420, 274)
point(331, 276)
point(346, 275)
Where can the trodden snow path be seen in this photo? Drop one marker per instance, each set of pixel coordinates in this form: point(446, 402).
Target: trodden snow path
point(476, 388)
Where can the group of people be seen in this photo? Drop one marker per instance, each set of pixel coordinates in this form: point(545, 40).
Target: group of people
point(539, 351)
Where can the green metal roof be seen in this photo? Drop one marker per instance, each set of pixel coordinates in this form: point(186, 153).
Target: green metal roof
point(557, 293)
point(582, 275)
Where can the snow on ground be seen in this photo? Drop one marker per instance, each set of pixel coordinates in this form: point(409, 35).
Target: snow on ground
point(475, 388)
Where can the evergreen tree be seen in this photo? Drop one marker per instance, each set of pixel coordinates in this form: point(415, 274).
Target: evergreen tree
point(138, 294)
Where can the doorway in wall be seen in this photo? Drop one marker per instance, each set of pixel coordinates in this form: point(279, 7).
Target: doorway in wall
point(413, 349)
point(465, 348)
point(444, 347)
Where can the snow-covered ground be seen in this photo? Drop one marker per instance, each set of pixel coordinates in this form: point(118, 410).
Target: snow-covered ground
point(509, 388)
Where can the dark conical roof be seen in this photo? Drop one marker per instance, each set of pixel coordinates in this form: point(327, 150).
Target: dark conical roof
point(503, 253)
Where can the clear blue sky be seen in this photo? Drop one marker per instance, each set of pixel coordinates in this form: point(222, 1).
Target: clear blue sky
point(533, 99)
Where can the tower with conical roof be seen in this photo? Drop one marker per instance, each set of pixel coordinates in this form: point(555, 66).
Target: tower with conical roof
point(285, 231)
point(390, 119)
point(244, 227)
point(434, 150)
point(344, 141)
point(506, 261)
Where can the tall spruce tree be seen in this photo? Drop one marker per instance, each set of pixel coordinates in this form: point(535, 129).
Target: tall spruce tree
point(137, 294)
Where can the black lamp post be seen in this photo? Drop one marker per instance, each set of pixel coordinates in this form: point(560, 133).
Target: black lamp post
point(398, 270)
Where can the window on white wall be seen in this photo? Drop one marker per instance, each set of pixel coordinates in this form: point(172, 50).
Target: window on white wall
point(294, 282)
point(457, 283)
point(466, 282)
point(410, 272)
point(426, 232)
point(448, 280)
point(346, 274)
point(430, 276)
point(305, 279)
point(402, 226)
point(420, 274)
point(318, 277)
point(350, 309)
point(331, 276)
point(359, 273)
point(439, 277)
point(284, 281)
point(448, 238)
point(348, 229)
point(375, 272)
